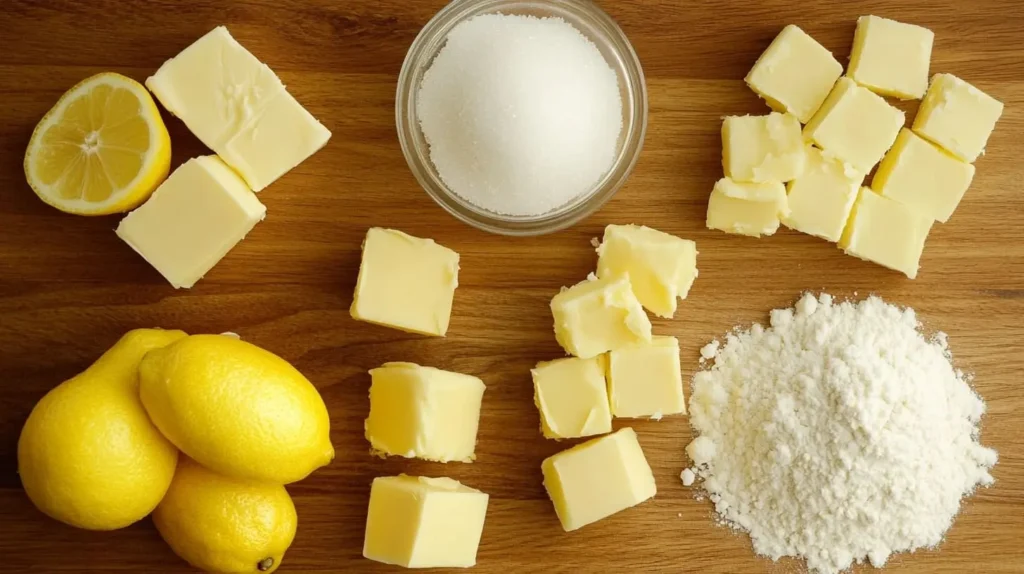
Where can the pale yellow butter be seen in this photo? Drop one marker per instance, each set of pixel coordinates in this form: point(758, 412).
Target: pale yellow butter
point(420, 522)
point(661, 267)
point(890, 57)
point(282, 138)
point(238, 107)
point(598, 478)
point(192, 220)
point(855, 125)
point(646, 380)
point(928, 179)
point(572, 397)
point(750, 209)
point(795, 73)
point(821, 199)
point(423, 412)
point(762, 148)
point(957, 116)
point(599, 315)
point(405, 282)
point(886, 232)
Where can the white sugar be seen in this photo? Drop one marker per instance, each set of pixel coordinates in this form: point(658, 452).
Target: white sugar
point(522, 114)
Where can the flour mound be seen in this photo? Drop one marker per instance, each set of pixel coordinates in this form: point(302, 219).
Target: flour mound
point(840, 434)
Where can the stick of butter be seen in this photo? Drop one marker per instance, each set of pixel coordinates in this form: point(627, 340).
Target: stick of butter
point(423, 412)
point(420, 522)
point(661, 267)
point(192, 220)
point(598, 478)
point(646, 380)
point(598, 315)
point(747, 208)
point(405, 283)
point(572, 397)
point(238, 107)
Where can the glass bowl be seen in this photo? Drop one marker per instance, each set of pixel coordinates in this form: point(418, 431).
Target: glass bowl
point(617, 51)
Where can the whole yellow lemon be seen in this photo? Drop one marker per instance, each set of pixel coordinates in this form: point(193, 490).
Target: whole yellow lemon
point(225, 525)
point(236, 409)
point(88, 455)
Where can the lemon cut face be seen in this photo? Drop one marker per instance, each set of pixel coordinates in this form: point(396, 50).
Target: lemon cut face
point(102, 149)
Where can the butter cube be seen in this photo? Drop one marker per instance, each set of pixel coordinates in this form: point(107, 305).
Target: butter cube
point(920, 175)
point(405, 282)
point(238, 107)
point(661, 267)
point(891, 58)
point(821, 199)
point(886, 232)
point(284, 136)
point(646, 380)
point(572, 397)
point(598, 478)
point(192, 220)
point(423, 412)
point(419, 522)
point(762, 148)
point(957, 116)
point(599, 315)
point(855, 125)
point(747, 208)
point(795, 74)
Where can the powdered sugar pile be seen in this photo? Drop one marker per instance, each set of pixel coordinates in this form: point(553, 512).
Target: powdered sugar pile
point(837, 435)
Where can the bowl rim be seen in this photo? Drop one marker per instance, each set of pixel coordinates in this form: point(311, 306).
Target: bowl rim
point(626, 65)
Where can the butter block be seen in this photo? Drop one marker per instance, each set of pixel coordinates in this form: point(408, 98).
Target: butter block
point(821, 199)
point(855, 125)
point(598, 478)
point(957, 116)
point(215, 86)
point(271, 146)
point(420, 522)
point(762, 148)
point(192, 220)
point(750, 209)
point(795, 74)
point(423, 412)
point(405, 282)
point(238, 107)
point(922, 176)
point(891, 58)
point(598, 315)
point(572, 397)
point(661, 267)
point(646, 380)
point(886, 232)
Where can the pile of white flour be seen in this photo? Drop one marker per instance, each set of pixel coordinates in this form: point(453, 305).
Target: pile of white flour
point(838, 435)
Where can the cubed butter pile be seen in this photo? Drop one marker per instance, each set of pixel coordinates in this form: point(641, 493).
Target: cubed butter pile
point(408, 283)
point(619, 369)
point(811, 181)
point(237, 107)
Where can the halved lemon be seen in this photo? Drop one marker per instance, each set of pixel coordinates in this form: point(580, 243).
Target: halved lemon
point(101, 149)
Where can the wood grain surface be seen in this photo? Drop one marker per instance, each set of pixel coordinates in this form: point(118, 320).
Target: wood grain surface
point(69, 288)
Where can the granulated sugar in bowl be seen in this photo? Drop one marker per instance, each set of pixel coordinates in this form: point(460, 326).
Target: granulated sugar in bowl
point(521, 118)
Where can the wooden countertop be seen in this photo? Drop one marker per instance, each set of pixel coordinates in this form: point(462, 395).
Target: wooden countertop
point(69, 288)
